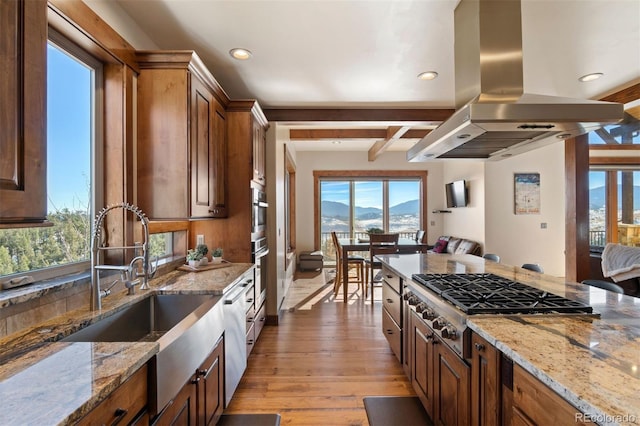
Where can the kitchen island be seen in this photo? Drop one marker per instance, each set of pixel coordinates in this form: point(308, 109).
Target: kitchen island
point(591, 361)
point(45, 381)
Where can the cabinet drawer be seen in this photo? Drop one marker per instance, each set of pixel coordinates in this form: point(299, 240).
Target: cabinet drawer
point(251, 339)
point(391, 302)
point(260, 320)
point(123, 404)
point(392, 333)
point(249, 297)
point(392, 279)
point(251, 319)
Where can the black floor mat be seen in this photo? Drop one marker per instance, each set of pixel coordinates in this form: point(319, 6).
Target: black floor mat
point(396, 411)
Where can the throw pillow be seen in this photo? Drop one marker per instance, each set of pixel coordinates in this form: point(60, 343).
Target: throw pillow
point(440, 246)
point(453, 245)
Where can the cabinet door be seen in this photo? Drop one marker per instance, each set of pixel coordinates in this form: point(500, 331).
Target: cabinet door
point(534, 403)
point(23, 161)
point(485, 383)
point(259, 153)
point(211, 387)
point(422, 361)
point(202, 153)
point(219, 172)
point(182, 410)
point(451, 387)
point(124, 404)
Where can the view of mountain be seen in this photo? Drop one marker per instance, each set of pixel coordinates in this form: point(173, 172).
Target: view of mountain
point(597, 197)
point(335, 209)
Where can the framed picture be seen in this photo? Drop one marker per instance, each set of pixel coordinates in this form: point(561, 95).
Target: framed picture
point(526, 193)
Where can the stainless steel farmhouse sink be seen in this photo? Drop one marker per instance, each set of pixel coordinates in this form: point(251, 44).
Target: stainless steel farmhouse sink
point(185, 326)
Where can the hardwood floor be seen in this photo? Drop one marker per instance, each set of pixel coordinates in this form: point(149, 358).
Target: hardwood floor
point(323, 358)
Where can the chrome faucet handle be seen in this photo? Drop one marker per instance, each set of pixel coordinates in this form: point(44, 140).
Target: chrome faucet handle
point(107, 291)
point(131, 286)
point(149, 273)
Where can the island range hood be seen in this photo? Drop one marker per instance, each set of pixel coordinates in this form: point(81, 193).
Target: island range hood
point(494, 117)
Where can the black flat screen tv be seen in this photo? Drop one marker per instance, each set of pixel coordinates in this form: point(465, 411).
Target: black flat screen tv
point(456, 193)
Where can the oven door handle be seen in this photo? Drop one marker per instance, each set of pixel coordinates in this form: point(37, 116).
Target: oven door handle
point(261, 252)
point(261, 203)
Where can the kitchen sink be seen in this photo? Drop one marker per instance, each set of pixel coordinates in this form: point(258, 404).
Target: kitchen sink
point(185, 326)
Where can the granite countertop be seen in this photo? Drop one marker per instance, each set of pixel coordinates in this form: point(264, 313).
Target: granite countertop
point(592, 362)
point(44, 381)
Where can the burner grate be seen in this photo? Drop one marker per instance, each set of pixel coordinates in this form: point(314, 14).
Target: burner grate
point(489, 293)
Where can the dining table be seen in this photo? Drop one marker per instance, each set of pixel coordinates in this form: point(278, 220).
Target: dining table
point(405, 245)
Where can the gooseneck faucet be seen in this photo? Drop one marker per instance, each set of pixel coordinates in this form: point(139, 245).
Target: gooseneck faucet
point(129, 273)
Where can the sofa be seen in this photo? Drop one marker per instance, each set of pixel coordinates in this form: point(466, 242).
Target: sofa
point(456, 245)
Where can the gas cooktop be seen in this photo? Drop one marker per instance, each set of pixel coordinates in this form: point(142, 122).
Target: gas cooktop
point(489, 293)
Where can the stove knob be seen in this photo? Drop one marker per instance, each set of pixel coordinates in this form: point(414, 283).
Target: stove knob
point(407, 295)
point(428, 314)
point(413, 300)
point(438, 323)
point(420, 307)
point(449, 332)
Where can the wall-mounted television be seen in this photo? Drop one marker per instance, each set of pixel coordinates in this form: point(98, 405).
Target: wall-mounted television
point(457, 195)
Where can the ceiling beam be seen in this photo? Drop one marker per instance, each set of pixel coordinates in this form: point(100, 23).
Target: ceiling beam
point(339, 134)
point(424, 115)
point(393, 134)
point(606, 137)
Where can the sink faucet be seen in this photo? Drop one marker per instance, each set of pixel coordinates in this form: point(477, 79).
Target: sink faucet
point(130, 274)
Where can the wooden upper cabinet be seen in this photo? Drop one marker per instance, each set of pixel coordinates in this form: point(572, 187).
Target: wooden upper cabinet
point(23, 129)
point(181, 138)
point(259, 151)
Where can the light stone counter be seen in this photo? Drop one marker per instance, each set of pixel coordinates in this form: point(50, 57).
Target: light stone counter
point(593, 362)
point(43, 381)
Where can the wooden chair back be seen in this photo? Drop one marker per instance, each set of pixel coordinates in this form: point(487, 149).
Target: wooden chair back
point(336, 245)
point(419, 235)
point(383, 244)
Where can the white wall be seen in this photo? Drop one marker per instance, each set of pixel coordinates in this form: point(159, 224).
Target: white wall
point(466, 222)
point(121, 22)
point(308, 161)
point(519, 239)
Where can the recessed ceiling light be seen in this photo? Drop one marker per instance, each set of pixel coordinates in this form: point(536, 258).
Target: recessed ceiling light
point(240, 53)
point(427, 75)
point(590, 77)
point(336, 142)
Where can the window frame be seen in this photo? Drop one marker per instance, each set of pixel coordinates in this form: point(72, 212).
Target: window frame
point(354, 175)
point(67, 46)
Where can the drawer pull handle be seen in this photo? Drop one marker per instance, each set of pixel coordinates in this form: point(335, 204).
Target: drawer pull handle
point(120, 414)
point(389, 300)
point(389, 331)
point(202, 372)
point(195, 381)
point(250, 300)
point(479, 346)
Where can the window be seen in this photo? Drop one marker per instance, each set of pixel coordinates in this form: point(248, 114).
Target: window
point(352, 205)
point(614, 185)
point(72, 176)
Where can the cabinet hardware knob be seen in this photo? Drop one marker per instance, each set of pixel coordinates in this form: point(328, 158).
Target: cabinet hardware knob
point(119, 414)
point(389, 300)
point(202, 372)
point(479, 346)
point(195, 381)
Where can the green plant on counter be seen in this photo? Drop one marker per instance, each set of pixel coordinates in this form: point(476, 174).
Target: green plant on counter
point(202, 249)
point(193, 254)
point(375, 231)
point(217, 252)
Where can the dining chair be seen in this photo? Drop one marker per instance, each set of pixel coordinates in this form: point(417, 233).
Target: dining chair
point(606, 285)
point(358, 262)
point(419, 235)
point(379, 244)
point(533, 267)
point(492, 256)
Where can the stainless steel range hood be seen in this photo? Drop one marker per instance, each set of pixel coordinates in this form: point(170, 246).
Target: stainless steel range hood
point(495, 118)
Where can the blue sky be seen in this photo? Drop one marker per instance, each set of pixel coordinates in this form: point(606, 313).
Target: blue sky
point(369, 193)
point(68, 131)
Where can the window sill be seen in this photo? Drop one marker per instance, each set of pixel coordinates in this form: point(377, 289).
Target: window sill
point(36, 290)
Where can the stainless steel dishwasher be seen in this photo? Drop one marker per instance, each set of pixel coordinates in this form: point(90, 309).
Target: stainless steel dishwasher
point(235, 347)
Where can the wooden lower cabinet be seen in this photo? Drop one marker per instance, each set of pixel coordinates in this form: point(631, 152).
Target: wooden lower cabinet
point(485, 383)
point(440, 378)
point(534, 403)
point(201, 400)
point(125, 405)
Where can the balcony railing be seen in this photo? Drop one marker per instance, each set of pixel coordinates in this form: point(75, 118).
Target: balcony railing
point(597, 238)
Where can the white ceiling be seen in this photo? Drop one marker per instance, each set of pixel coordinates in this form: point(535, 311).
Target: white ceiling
point(367, 53)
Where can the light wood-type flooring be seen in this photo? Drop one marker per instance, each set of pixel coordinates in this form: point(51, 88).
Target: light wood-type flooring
point(322, 359)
